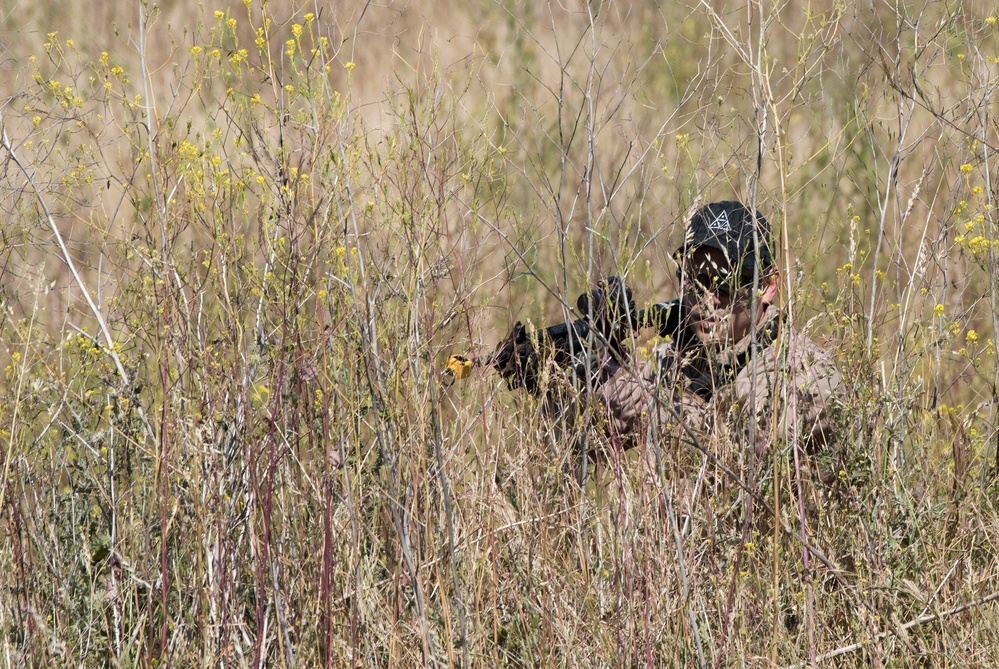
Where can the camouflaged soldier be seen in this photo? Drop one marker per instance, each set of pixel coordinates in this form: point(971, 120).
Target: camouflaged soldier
point(734, 373)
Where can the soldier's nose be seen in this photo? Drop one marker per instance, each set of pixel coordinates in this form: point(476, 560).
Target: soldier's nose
point(711, 298)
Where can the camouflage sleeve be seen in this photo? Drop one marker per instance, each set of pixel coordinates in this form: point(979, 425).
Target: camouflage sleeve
point(632, 400)
point(627, 396)
point(817, 384)
point(808, 371)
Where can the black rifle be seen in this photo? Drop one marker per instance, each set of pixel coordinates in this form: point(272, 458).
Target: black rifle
point(517, 358)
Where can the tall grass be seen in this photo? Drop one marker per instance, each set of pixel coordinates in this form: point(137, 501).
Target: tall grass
point(240, 241)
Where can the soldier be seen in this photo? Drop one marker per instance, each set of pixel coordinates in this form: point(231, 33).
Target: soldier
point(730, 370)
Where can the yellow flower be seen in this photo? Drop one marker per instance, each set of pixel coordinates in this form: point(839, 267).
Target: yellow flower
point(219, 15)
point(971, 337)
point(350, 65)
point(978, 244)
point(966, 168)
point(938, 310)
point(260, 394)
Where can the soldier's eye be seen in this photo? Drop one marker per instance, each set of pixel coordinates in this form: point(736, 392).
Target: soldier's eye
point(704, 283)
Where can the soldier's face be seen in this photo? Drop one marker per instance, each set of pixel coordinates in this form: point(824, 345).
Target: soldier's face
point(719, 301)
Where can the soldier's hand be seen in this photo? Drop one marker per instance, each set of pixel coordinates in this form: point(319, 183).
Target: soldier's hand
point(516, 360)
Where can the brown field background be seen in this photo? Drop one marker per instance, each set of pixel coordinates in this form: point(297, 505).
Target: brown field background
point(239, 241)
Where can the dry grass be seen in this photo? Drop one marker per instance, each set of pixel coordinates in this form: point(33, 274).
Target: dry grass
point(229, 279)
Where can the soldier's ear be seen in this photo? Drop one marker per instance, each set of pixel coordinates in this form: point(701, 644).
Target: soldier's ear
point(770, 287)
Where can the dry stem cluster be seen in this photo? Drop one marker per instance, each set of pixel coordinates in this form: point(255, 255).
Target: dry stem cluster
point(238, 243)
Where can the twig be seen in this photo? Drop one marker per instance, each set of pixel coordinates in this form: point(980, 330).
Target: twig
point(921, 620)
point(68, 259)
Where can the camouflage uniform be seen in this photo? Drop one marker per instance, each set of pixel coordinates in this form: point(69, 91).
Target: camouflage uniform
point(715, 393)
point(737, 400)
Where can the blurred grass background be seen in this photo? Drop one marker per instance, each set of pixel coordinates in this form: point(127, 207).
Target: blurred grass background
point(239, 240)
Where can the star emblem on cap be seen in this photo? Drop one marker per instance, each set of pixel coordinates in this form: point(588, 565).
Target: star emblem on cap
point(720, 223)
